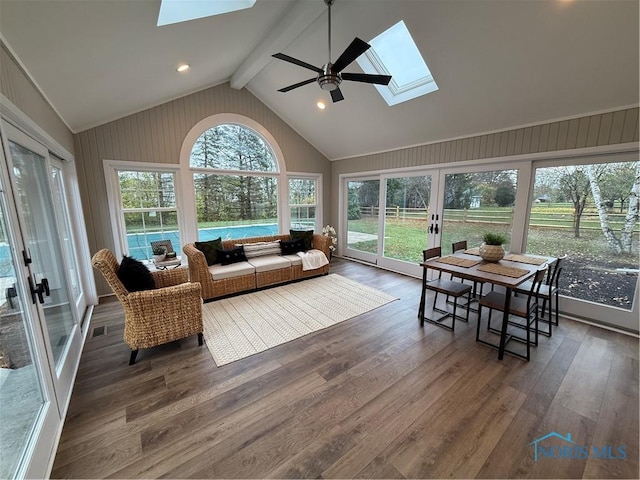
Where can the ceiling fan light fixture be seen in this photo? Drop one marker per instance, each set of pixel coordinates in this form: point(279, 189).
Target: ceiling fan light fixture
point(329, 82)
point(321, 105)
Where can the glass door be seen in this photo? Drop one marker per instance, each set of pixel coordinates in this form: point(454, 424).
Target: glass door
point(63, 220)
point(406, 223)
point(28, 417)
point(30, 176)
point(362, 214)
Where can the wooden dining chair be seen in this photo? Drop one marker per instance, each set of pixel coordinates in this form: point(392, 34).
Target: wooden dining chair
point(525, 308)
point(549, 292)
point(446, 287)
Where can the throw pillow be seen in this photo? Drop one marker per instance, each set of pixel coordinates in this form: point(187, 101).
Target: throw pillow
point(258, 249)
point(210, 250)
point(305, 235)
point(134, 275)
point(232, 255)
point(292, 247)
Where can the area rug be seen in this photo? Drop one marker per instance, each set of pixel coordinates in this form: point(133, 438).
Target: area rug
point(241, 326)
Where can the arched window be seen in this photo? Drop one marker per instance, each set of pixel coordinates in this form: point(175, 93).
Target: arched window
point(236, 176)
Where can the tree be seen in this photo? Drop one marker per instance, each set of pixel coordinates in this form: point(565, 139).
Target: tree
point(615, 182)
point(353, 207)
point(624, 243)
point(232, 196)
point(505, 194)
point(458, 191)
point(574, 184)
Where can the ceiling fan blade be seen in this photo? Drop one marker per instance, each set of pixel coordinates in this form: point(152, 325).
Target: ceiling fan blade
point(367, 78)
point(336, 95)
point(353, 51)
point(295, 61)
point(296, 85)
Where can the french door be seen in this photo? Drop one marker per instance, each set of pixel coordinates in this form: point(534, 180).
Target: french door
point(41, 301)
point(392, 219)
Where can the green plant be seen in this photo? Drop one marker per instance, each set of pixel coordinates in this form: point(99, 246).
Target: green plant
point(494, 239)
point(159, 250)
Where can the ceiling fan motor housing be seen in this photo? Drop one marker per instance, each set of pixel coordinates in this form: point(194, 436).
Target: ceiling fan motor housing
point(329, 80)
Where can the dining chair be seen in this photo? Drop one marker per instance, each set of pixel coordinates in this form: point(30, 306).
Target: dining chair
point(549, 292)
point(525, 308)
point(462, 246)
point(445, 287)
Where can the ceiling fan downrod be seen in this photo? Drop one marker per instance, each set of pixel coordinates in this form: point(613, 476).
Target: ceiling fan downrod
point(329, 3)
point(327, 79)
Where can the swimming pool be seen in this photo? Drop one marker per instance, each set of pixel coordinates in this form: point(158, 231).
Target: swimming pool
point(140, 243)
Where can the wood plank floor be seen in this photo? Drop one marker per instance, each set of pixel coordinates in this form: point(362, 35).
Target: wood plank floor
point(376, 396)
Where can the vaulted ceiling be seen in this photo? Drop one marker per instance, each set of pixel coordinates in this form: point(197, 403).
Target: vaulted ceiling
point(498, 63)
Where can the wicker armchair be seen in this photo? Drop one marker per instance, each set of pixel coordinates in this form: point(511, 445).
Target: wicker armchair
point(153, 317)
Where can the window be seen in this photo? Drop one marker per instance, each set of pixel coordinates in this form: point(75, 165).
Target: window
point(303, 203)
point(235, 180)
point(394, 53)
point(589, 211)
point(175, 11)
point(144, 207)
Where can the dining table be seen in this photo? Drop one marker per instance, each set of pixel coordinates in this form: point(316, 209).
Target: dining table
point(510, 272)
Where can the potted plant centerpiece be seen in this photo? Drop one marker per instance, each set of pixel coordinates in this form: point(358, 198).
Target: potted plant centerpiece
point(158, 254)
point(491, 250)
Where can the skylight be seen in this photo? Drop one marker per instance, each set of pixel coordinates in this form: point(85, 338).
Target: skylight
point(175, 11)
point(394, 53)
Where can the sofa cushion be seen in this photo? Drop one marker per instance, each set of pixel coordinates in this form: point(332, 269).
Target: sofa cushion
point(272, 262)
point(305, 235)
point(210, 250)
point(134, 275)
point(294, 259)
point(222, 272)
point(232, 255)
point(260, 249)
point(292, 247)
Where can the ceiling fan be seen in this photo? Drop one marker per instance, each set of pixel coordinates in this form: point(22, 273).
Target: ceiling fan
point(331, 75)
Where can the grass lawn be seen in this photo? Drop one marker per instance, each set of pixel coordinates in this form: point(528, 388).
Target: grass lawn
point(589, 273)
point(405, 240)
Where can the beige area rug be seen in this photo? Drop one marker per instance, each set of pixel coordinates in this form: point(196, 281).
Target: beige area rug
point(238, 327)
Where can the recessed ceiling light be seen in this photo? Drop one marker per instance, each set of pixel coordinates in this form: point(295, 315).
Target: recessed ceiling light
point(321, 105)
point(183, 68)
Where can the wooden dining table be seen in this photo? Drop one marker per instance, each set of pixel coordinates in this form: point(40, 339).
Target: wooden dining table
point(470, 266)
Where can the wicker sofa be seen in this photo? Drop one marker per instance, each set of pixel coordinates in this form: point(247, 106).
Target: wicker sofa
point(222, 280)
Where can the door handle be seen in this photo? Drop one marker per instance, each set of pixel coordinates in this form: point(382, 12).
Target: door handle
point(45, 286)
point(437, 230)
point(39, 289)
point(431, 228)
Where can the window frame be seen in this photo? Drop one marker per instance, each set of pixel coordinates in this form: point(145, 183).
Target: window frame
point(372, 63)
point(187, 192)
point(116, 212)
point(317, 177)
